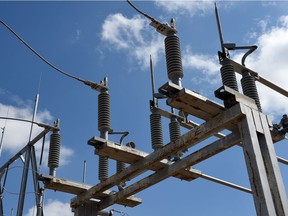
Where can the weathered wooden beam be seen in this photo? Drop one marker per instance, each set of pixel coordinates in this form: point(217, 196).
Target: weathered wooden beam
point(188, 125)
point(195, 104)
point(255, 165)
point(129, 155)
point(190, 160)
point(272, 168)
point(72, 187)
point(187, 140)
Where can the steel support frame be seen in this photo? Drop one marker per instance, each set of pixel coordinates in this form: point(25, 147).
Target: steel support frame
point(29, 149)
point(269, 193)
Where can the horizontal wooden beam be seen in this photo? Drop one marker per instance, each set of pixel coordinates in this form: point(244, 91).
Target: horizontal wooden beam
point(187, 140)
point(188, 125)
point(190, 160)
point(195, 104)
point(131, 156)
point(72, 187)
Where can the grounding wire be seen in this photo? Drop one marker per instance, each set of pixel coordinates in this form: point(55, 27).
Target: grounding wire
point(41, 57)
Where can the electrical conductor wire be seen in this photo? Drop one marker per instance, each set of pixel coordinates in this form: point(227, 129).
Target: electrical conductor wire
point(41, 57)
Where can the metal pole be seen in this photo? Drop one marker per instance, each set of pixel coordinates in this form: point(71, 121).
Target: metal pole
point(226, 183)
point(1, 203)
point(26, 166)
point(84, 172)
point(282, 160)
point(24, 182)
point(37, 188)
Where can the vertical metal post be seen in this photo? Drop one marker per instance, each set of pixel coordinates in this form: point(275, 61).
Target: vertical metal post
point(37, 189)
point(84, 172)
point(1, 203)
point(26, 166)
point(259, 180)
point(24, 182)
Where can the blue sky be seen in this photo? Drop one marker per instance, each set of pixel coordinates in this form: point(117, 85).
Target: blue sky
point(95, 39)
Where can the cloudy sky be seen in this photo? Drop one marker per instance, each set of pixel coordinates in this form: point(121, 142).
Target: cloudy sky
point(95, 39)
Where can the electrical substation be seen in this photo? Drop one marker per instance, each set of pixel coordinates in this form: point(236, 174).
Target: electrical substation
point(241, 115)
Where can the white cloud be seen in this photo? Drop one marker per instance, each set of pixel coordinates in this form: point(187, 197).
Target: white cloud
point(53, 208)
point(207, 64)
point(128, 35)
point(186, 7)
point(17, 133)
point(270, 61)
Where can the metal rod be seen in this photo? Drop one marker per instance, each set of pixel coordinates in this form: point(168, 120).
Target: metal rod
point(153, 82)
point(219, 29)
point(84, 172)
point(226, 183)
point(282, 160)
point(34, 115)
point(42, 151)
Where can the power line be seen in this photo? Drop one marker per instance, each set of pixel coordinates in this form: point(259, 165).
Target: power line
point(86, 82)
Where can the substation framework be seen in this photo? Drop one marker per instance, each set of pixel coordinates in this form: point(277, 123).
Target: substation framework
point(241, 115)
